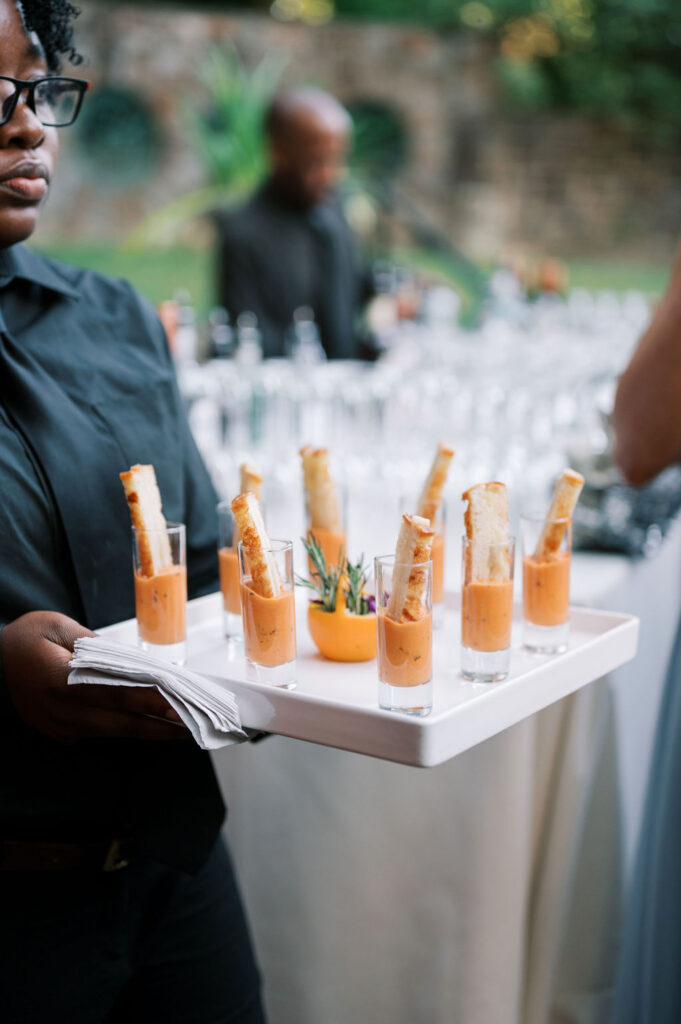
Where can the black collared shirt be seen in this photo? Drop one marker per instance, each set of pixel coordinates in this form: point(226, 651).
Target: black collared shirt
point(275, 256)
point(87, 388)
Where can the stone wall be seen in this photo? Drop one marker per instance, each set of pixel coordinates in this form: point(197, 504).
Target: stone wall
point(492, 179)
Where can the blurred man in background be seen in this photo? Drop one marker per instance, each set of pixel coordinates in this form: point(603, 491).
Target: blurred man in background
point(290, 246)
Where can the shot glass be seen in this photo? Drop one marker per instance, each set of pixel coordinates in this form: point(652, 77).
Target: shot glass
point(228, 559)
point(438, 521)
point(405, 649)
point(161, 594)
point(269, 623)
point(486, 612)
point(546, 584)
point(332, 542)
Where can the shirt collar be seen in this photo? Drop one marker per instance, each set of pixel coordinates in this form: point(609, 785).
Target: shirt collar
point(17, 261)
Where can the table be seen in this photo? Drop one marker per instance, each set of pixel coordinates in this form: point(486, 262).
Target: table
point(483, 891)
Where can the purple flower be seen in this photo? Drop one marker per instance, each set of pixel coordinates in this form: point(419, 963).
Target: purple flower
point(371, 603)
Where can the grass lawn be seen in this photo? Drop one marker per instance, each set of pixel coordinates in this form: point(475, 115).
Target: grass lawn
point(619, 277)
point(158, 273)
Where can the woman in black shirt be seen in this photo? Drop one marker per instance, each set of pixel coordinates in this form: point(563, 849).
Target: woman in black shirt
point(93, 778)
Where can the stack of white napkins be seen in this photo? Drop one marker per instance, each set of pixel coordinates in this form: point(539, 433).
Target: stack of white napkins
point(206, 708)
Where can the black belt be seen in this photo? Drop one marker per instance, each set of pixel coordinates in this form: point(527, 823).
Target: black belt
point(26, 855)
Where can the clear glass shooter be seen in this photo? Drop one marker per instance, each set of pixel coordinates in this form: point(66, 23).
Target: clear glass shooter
point(161, 595)
point(438, 521)
point(487, 613)
point(332, 542)
point(405, 649)
point(269, 623)
point(546, 583)
point(228, 559)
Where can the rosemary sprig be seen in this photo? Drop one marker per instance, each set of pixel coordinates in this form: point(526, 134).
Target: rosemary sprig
point(356, 601)
point(325, 579)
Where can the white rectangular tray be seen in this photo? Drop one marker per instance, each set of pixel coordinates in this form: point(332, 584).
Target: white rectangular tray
point(336, 704)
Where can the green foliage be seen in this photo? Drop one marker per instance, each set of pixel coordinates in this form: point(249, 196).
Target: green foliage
point(227, 127)
point(379, 140)
point(612, 59)
point(616, 59)
point(526, 83)
point(453, 269)
point(429, 12)
point(356, 574)
point(325, 578)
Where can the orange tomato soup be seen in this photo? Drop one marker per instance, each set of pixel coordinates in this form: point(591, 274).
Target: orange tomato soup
point(405, 650)
point(546, 589)
point(332, 542)
point(437, 553)
point(229, 580)
point(269, 627)
point(160, 605)
point(487, 614)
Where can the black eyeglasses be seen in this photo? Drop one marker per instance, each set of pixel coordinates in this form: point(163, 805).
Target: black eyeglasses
point(54, 100)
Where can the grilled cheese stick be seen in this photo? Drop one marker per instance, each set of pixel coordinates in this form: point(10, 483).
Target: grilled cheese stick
point(409, 576)
point(144, 502)
point(320, 493)
point(486, 522)
point(251, 479)
point(565, 496)
point(265, 578)
point(431, 495)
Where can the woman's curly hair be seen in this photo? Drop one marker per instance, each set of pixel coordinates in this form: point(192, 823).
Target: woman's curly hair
point(52, 21)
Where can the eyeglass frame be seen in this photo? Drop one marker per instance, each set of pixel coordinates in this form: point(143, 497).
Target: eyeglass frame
point(21, 85)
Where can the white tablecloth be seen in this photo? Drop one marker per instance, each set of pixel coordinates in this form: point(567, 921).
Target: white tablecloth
point(484, 891)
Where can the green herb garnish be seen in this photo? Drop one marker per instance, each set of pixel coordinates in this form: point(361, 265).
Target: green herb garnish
point(356, 601)
point(325, 579)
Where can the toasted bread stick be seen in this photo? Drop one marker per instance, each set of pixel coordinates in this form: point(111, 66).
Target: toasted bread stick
point(251, 479)
point(320, 493)
point(144, 502)
point(565, 496)
point(265, 578)
point(409, 576)
point(431, 495)
point(486, 522)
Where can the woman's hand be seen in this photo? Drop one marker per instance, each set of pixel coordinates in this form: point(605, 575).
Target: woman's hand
point(35, 651)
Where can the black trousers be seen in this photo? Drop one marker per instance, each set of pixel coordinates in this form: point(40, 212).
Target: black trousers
point(146, 943)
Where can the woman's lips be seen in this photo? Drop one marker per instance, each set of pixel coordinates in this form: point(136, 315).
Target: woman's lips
point(30, 189)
